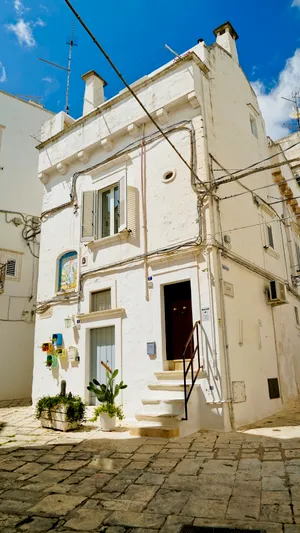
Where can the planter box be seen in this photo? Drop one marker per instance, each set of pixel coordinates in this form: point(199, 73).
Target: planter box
point(58, 419)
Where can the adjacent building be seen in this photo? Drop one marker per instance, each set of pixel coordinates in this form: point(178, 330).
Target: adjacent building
point(20, 207)
point(154, 263)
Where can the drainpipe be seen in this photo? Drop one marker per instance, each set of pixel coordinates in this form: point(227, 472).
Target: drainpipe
point(219, 268)
point(225, 341)
point(144, 211)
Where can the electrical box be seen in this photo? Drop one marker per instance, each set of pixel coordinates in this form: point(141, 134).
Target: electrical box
point(57, 339)
point(151, 348)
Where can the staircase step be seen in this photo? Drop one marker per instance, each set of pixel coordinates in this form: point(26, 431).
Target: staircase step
point(158, 401)
point(174, 375)
point(162, 432)
point(166, 386)
point(161, 416)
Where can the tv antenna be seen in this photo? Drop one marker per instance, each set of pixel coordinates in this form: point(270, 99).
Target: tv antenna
point(295, 102)
point(29, 97)
point(71, 43)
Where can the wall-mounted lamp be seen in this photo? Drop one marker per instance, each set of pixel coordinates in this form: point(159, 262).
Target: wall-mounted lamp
point(68, 321)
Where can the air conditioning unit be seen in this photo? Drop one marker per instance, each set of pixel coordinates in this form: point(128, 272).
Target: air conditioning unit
point(277, 293)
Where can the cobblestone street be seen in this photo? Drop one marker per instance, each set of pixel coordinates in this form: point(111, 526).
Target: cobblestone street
point(90, 481)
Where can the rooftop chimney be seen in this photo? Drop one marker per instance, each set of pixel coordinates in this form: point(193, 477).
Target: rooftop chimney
point(226, 37)
point(94, 91)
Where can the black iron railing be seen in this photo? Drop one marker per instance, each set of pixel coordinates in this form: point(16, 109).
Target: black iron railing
point(2, 276)
point(192, 364)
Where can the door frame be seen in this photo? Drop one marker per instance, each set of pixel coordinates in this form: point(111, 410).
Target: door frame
point(102, 323)
point(167, 363)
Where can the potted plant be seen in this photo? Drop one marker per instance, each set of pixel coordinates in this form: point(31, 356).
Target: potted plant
point(62, 412)
point(108, 412)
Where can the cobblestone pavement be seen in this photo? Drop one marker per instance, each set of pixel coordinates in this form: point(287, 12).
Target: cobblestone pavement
point(90, 481)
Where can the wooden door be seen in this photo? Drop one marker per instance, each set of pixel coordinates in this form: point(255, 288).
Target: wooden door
point(179, 319)
point(102, 349)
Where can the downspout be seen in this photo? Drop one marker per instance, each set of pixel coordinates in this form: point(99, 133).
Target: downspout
point(144, 211)
point(219, 268)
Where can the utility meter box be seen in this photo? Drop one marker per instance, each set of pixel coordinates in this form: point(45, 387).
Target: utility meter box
point(57, 339)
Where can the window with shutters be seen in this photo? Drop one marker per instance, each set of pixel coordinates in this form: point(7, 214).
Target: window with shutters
point(270, 239)
point(104, 212)
point(67, 272)
point(101, 300)
point(253, 126)
point(12, 261)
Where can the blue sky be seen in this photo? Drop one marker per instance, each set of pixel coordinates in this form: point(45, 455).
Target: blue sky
point(134, 33)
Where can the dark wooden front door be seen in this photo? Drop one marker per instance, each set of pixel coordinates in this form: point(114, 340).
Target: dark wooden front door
point(179, 319)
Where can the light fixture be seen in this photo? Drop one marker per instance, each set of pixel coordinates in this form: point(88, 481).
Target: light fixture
point(68, 321)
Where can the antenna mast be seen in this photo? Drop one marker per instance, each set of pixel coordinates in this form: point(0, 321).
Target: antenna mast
point(71, 43)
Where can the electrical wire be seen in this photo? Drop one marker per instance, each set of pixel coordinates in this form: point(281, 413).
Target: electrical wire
point(135, 95)
point(255, 171)
point(258, 162)
point(252, 225)
point(256, 189)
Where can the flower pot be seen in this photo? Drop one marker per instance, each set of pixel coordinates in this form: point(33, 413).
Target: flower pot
point(107, 423)
point(58, 419)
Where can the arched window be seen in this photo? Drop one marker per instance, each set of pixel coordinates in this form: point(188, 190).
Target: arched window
point(67, 272)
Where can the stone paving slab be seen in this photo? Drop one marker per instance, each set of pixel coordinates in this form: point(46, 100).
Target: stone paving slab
point(90, 481)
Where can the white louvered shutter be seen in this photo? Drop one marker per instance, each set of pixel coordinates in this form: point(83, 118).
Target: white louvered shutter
point(123, 203)
point(88, 216)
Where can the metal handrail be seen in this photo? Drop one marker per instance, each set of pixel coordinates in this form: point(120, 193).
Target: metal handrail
point(190, 366)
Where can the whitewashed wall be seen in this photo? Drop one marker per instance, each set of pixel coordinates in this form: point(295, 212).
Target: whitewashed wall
point(20, 192)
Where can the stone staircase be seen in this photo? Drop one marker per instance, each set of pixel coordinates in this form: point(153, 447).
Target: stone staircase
point(163, 407)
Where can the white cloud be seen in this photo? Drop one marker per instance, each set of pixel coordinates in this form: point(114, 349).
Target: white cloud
point(45, 8)
point(296, 3)
point(48, 79)
point(23, 31)
point(20, 8)
point(39, 22)
point(275, 110)
point(3, 76)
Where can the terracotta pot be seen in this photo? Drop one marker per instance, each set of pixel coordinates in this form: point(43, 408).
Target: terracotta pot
point(107, 423)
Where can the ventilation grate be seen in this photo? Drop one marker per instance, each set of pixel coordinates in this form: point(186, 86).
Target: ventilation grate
point(11, 267)
point(206, 529)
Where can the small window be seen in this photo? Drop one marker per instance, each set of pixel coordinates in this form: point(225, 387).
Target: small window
point(297, 247)
point(273, 386)
point(253, 126)
point(270, 239)
point(297, 315)
point(11, 268)
point(101, 300)
point(67, 272)
point(110, 209)
point(104, 212)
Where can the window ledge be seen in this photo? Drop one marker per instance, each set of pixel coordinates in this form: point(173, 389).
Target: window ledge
point(102, 315)
point(71, 292)
point(271, 252)
point(111, 239)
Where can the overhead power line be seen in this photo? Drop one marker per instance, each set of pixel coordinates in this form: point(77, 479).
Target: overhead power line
point(256, 170)
point(134, 94)
point(259, 162)
point(252, 225)
point(252, 191)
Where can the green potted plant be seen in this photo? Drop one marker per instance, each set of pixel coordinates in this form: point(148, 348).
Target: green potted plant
point(108, 412)
point(62, 412)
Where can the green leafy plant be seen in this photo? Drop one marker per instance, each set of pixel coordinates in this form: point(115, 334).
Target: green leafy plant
point(110, 409)
point(75, 406)
point(106, 394)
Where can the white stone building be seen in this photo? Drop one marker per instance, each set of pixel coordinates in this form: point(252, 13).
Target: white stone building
point(136, 248)
point(20, 206)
